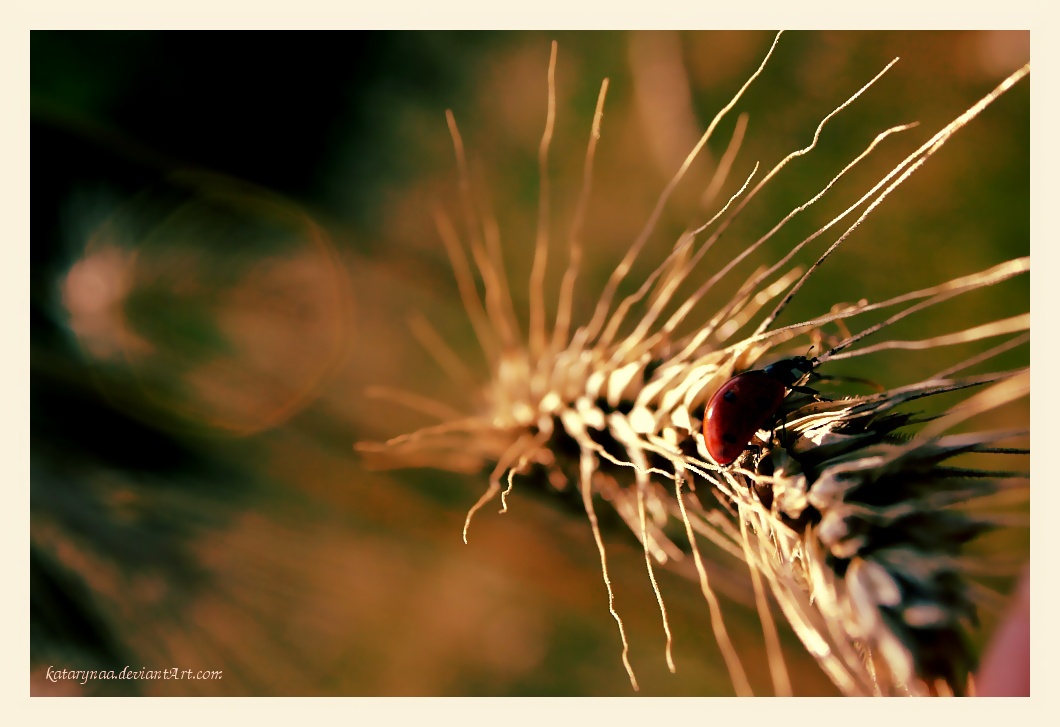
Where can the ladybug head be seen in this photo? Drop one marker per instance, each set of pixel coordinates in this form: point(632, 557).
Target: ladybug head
point(789, 370)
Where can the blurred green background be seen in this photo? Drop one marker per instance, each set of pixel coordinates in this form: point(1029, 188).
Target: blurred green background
point(230, 232)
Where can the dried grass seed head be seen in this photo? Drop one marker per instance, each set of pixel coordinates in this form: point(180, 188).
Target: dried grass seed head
point(855, 524)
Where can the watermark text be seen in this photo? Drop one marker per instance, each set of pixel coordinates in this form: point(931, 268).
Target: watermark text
point(83, 676)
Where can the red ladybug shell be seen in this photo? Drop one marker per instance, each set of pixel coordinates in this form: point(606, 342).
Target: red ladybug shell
point(742, 406)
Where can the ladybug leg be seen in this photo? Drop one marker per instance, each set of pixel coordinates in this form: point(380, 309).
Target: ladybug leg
point(812, 392)
point(811, 377)
point(756, 454)
point(783, 429)
point(782, 423)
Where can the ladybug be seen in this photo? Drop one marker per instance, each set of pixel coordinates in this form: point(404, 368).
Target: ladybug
point(746, 402)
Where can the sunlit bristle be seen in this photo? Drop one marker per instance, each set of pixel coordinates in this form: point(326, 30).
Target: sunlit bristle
point(850, 510)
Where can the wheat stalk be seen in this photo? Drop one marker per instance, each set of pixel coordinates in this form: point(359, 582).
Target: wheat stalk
point(852, 516)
